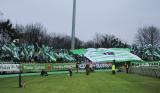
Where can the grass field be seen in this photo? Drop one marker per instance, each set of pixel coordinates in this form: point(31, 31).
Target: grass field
point(98, 82)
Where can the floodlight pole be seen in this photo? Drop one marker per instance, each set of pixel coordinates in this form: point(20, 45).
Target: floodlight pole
point(73, 25)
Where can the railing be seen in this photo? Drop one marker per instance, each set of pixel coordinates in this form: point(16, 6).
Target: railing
point(153, 71)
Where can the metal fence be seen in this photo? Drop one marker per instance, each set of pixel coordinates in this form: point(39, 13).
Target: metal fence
point(153, 71)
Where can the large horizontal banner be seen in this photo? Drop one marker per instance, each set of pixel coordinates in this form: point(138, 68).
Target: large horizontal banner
point(35, 67)
point(47, 67)
point(9, 67)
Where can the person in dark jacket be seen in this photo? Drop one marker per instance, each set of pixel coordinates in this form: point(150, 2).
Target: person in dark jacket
point(127, 67)
point(70, 71)
point(44, 73)
point(77, 67)
point(87, 67)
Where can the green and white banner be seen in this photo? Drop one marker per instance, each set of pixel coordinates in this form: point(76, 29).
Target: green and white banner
point(63, 66)
point(9, 67)
point(47, 66)
point(33, 67)
point(108, 55)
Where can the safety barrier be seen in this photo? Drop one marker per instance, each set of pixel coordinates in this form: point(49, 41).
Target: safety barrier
point(152, 71)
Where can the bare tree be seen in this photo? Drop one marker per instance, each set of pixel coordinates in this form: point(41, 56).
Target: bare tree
point(106, 41)
point(148, 35)
point(89, 44)
point(32, 34)
point(97, 40)
point(7, 32)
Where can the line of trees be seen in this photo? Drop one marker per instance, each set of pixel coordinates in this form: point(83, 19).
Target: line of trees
point(106, 41)
point(37, 34)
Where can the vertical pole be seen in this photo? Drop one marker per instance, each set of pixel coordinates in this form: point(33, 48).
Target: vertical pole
point(20, 77)
point(73, 25)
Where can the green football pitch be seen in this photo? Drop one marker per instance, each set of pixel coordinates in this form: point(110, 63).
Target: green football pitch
point(97, 82)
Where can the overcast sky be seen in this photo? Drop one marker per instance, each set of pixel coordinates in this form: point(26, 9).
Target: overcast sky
point(121, 18)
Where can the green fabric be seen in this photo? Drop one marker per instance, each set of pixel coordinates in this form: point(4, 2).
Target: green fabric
point(110, 54)
point(79, 52)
